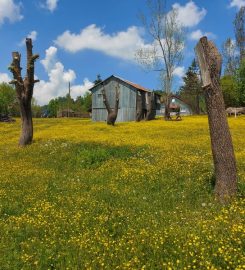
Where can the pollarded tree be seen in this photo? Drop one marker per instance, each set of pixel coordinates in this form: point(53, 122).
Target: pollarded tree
point(112, 113)
point(24, 90)
point(210, 62)
point(166, 51)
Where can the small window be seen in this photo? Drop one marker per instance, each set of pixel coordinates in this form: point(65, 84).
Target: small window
point(99, 95)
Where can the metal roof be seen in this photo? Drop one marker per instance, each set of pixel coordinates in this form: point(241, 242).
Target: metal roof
point(137, 86)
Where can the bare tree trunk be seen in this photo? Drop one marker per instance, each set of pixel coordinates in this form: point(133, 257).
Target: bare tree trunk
point(24, 90)
point(27, 126)
point(151, 112)
point(222, 149)
point(139, 108)
point(112, 114)
point(167, 109)
point(197, 104)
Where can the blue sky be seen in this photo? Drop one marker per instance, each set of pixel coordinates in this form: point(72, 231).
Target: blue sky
point(79, 39)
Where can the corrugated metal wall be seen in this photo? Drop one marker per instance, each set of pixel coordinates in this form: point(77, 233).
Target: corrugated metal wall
point(127, 101)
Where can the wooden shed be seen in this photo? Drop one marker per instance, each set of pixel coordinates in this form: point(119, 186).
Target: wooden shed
point(131, 94)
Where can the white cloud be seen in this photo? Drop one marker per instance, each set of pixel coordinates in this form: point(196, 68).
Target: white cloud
point(4, 78)
point(179, 72)
point(237, 3)
point(32, 35)
point(51, 5)
point(190, 14)
point(57, 85)
point(50, 58)
point(9, 11)
point(196, 35)
point(121, 45)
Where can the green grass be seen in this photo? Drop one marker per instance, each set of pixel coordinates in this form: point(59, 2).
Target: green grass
point(135, 196)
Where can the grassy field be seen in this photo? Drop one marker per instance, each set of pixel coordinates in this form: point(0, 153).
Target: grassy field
point(135, 196)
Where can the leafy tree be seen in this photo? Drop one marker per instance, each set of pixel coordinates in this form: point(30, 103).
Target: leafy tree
point(240, 83)
point(229, 89)
point(7, 99)
point(84, 104)
point(36, 109)
point(53, 107)
point(191, 91)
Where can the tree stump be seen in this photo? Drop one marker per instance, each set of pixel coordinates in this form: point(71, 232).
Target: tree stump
point(210, 62)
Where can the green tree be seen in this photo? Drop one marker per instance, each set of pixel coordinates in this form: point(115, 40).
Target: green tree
point(53, 107)
point(84, 104)
point(7, 98)
point(229, 89)
point(240, 83)
point(191, 91)
point(36, 109)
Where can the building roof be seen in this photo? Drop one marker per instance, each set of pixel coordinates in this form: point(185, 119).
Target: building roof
point(137, 86)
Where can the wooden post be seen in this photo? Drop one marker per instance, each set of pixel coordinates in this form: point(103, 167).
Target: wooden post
point(210, 61)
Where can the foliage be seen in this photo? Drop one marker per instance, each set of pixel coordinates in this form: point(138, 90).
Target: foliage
point(7, 99)
point(230, 92)
point(89, 196)
point(84, 104)
point(81, 104)
point(240, 83)
point(191, 92)
point(37, 110)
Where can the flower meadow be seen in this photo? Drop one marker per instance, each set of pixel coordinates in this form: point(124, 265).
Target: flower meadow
point(86, 195)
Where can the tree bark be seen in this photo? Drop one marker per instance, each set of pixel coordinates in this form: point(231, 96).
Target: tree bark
point(139, 107)
point(150, 114)
point(112, 114)
point(197, 104)
point(167, 109)
point(222, 148)
point(24, 90)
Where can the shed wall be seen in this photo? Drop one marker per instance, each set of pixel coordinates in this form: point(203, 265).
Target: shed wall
point(127, 101)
